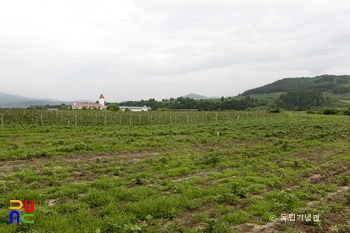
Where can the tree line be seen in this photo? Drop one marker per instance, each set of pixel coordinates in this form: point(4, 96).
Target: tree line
point(200, 105)
point(293, 100)
point(334, 83)
point(301, 100)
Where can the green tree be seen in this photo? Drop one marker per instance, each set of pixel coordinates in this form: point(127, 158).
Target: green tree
point(300, 100)
point(112, 107)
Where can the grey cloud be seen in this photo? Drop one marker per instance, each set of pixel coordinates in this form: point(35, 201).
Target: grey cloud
point(152, 46)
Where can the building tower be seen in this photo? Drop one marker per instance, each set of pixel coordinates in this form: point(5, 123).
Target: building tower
point(101, 100)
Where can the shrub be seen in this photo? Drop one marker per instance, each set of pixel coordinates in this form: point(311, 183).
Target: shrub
point(342, 180)
point(58, 142)
point(276, 110)
point(81, 146)
point(347, 197)
point(238, 190)
point(330, 111)
point(65, 149)
point(210, 158)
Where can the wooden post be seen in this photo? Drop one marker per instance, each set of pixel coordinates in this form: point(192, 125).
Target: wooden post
point(216, 117)
point(130, 119)
point(120, 119)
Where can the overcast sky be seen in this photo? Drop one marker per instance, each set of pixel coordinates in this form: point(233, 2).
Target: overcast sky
point(141, 49)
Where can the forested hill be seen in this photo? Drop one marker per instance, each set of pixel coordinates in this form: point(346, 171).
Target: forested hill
point(336, 84)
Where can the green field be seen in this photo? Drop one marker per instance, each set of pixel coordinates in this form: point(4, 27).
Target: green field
point(94, 171)
point(343, 97)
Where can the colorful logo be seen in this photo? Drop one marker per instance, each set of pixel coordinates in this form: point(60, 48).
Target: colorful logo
point(16, 205)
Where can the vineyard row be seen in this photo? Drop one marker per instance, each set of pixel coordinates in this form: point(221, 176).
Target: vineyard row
point(91, 118)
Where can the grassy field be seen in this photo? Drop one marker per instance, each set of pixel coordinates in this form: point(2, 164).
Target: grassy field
point(342, 97)
point(232, 172)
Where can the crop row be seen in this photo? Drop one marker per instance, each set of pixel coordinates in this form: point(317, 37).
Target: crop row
point(92, 118)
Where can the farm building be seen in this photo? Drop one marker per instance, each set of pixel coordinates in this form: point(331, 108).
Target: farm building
point(89, 105)
point(135, 108)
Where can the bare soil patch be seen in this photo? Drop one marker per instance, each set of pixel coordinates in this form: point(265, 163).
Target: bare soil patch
point(13, 165)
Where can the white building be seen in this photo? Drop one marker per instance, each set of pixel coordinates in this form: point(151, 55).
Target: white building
point(89, 105)
point(135, 108)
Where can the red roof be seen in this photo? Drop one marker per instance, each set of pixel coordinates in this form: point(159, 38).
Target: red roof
point(101, 96)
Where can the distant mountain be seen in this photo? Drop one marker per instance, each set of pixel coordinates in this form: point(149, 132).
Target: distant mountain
point(7, 98)
point(197, 97)
point(338, 84)
point(16, 101)
point(27, 104)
